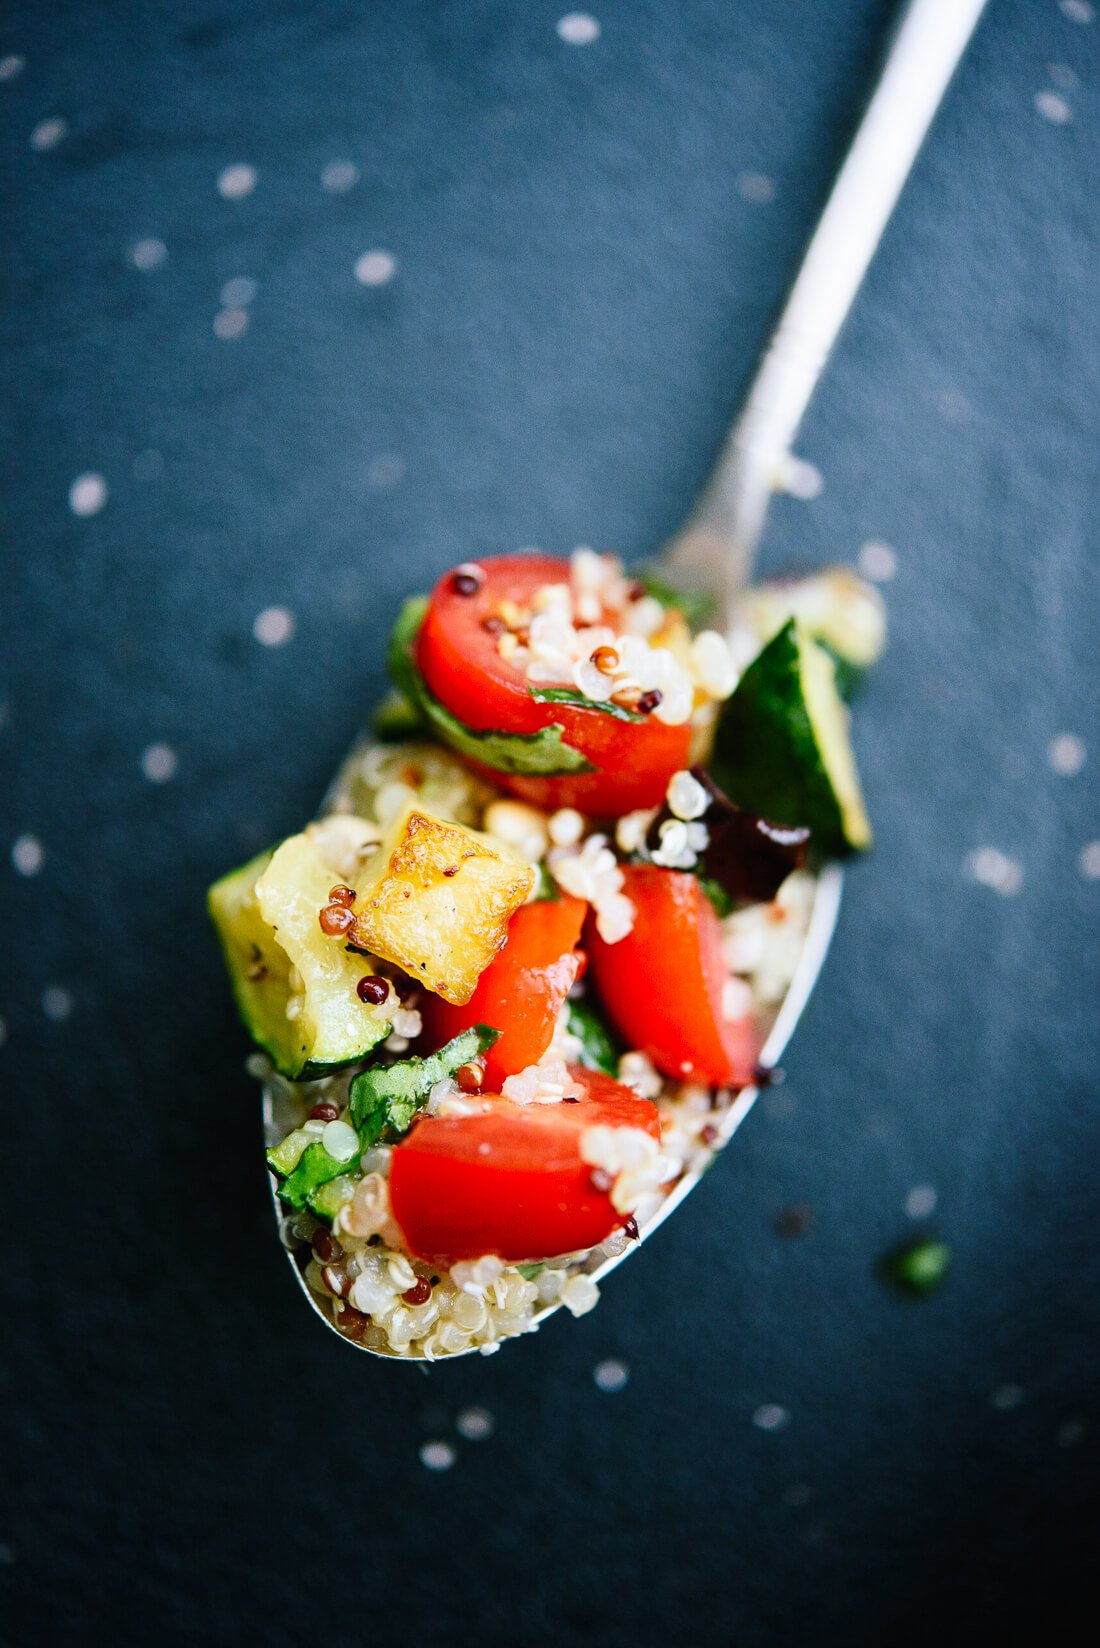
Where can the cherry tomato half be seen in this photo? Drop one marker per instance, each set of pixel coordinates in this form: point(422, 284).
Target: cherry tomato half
point(459, 661)
point(521, 990)
point(511, 1181)
point(663, 984)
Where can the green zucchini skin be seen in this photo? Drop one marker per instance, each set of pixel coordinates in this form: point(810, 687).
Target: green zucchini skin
point(782, 749)
point(258, 968)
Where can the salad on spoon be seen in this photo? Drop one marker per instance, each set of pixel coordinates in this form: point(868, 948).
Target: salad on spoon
point(512, 985)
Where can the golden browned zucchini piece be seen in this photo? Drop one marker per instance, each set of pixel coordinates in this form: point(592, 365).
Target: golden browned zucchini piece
point(436, 899)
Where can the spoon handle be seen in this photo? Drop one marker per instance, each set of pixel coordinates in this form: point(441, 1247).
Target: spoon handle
point(725, 527)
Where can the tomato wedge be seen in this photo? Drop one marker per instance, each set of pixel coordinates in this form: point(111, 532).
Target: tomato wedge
point(663, 984)
point(511, 1181)
point(521, 990)
point(459, 661)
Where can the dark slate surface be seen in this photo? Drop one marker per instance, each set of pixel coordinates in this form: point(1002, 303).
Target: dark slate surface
point(581, 288)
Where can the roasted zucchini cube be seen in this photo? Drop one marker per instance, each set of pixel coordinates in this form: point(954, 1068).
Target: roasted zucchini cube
point(436, 900)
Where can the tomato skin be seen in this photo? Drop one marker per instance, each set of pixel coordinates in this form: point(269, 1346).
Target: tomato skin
point(459, 661)
point(528, 1195)
point(662, 984)
point(521, 990)
point(604, 794)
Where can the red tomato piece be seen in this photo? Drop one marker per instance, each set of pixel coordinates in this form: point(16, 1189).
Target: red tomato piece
point(459, 661)
point(662, 984)
point(521, 990)
point(511, 1180)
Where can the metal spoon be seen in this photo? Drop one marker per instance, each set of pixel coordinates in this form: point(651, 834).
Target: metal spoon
point(715, 548)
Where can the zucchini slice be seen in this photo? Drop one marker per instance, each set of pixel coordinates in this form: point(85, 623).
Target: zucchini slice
point(309, 1021)
point(782, 746)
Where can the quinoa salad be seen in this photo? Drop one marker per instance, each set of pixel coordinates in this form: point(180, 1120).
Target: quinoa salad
point(507, 990)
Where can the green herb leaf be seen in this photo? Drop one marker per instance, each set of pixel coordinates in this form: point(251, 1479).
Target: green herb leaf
point(529, 1272)
point(383, 1100)
point(598, 1049)
point(697, 607)
point(569, 695)
point(396, 719)
point(315, 1168)
point(543, 753)
point(546, 888)
point(718, 896)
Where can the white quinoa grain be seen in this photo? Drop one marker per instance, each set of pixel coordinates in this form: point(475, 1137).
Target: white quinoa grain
point(580, 1295)
point(565, 827)
point(686, 796)
point(341, 1141)
point(712, 664)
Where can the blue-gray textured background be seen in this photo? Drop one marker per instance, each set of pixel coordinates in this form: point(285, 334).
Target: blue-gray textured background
point(584, 275)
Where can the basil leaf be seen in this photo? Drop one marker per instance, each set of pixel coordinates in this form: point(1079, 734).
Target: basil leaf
point(384, 1100)
point(723, 903)
point(396, 719)
point(543, 753)
point(696, 607)
point(570, 695)
point(598, 1050)
point(547, 890)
